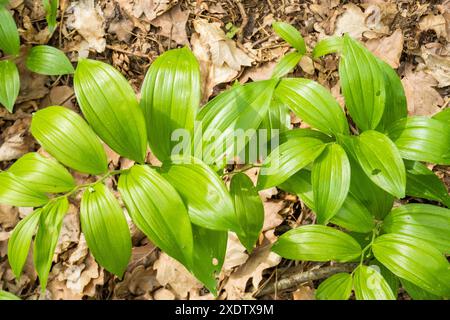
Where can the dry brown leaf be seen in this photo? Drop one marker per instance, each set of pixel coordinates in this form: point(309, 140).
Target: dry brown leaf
point(88, 20)
point(59, 96)
point(271, 217)
point(122, 29)
point(304, 293)
point(70, 230)
point(236, 254)
point(436, 23)
point(9, 216)
point(171, 272)
point(16, 140)
point(172, 25)
point(436, 63)
point(307, 65)
point(422, 98)
point(389, 49)
point(163, 294)
point(258, 73)
point(261, 259)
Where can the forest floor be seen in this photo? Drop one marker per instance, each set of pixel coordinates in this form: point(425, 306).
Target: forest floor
point(233, 40)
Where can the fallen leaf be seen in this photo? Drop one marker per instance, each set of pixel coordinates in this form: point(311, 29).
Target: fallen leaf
point(163, 294)
point(436, 63)
point(9, 216)
point(172, 25)
point(258, 73)
point(304, 293)
point(271, 217)
point(389, 48)
point(236, 254)
point(16, 140)
point(422, 97)
point(70, 230)
point(436, 23)
point(59, 96)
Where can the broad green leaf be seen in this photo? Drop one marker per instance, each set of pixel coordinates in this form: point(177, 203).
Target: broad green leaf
point(291, 35)
point(422, 139)
point(414, 260)
point(381, 161)
point(110, 106)
point(362, 83)
point(9, 84)
point(4, 295)
point(375, 199)
point(156, 208)
point(15, 192)
point(286, 64)
point(51, 9)
point(317, 243)
point(423, 221)
point(230, 120)
point(9, 35)
point(105, 228)
point(68, 138)
point(354, 216)
point(209, 255)
point(336, 287)
point(369, 284)
point(209, 203)
point(249, 209)
point(170, 100)
point(443, 116)
point(417, 293)
point(276, 122)
point(304, 132)
point(49, 61)
point(421, 182)
point(42, 174)
point(330, 179)
point(327, 46)
point(313, 104)
point(395, 107)
point(392, 280)
point(20, 241)
point(287, 159)
point(50, 223)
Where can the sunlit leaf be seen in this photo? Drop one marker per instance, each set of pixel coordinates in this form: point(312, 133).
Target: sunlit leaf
point(4, 295)
point(15, 192)
point(9, 35)
point(51, 9)
point(369, 284)
point(327, 46)
point(49, 61)
point(9, 84)
point(336, 287)
point(286, 64)
point(291, 35)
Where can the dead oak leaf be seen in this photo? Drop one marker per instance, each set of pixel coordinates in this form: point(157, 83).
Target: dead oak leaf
point(16, 140)
point(236, 254)
point(421, 96)
point(436, 23)
point(172, 25)
point(388, 48)
point(436, 63)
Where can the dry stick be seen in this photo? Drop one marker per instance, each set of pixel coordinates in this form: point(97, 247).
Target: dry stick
point(299, 278)
point(244, 19)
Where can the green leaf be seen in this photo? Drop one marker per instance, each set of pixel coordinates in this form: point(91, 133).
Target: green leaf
point(369, 284)
point(395, 107)
point(42, 174)
point(110, 106)
point(68, 138)
point(157, 209)
point(9, 35)
point(375, 199)
point(330, 179)
point(317, 243)
point(15, 192)
point(277, 117)
point(286, 64)
point(414, 260)
point(381, 161)
point(300, 185)
point(249, 209)
point(304, 132)
point(443, 116)
point(423, 221)
point(336, 287)
point(391, 279)
point(105, 228)
point(354, 216)
point(291, 35)
point(50, 223)
point(327, 46)
point(287, 159)
point(422, 139)
point(313, 104)
point(20, 241)
point(362, 83)
point(209, 203)
point(48, 60)
point(421, 182)
point(240, 109)
point(9, 84)
point(170, 99)
point(209, 255)
point(4, 295)
point(51, 9)
point(417, 293)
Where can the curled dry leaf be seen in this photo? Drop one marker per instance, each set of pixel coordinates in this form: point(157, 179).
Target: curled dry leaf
point(16, 140)
point(88, 20)
point(436, 63)
point(172, 25)
point(70, 230)
point(235, 256)
point(388, 48)
point(422, 97)
point(436, 23)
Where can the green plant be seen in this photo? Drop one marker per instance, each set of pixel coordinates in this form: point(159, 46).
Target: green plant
point(40, 59)
point(185, 208)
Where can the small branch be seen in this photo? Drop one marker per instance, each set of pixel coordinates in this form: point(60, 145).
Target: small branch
point(244, 20)
point(299, 278)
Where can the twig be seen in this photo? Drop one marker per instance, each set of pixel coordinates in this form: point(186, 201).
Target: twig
point(244, 20)
point(299, 278)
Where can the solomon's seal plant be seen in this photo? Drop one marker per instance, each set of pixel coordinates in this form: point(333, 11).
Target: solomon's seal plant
point(348, 172)
point(41, 59)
